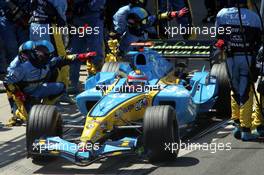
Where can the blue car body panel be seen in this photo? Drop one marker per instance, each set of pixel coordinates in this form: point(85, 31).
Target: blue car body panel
point(71, 152)
point(107, 103)
point(188, 103)
point(155, 66)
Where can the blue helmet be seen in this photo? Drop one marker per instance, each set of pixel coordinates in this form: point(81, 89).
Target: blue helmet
point(25, 50)
point(29, 45)
point(46, 44)
point(137, 19)
point(43, 53)
point(138, 13)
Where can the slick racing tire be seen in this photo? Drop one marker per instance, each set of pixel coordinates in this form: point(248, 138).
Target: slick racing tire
point(44, 121)
point(113, 67)
point(223, 102)
point(160, 132)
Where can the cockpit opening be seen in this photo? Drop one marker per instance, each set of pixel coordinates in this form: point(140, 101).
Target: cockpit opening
point(141, 59)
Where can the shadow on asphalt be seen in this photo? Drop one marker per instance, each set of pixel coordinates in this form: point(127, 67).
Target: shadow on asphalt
point(13, 150)
point(4, 128)
point(115, 165)
point(181, 162)
point(215, 135)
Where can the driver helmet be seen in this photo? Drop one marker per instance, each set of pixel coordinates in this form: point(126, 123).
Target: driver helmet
point(137, 77)
point(48, 45)
point(43, 53)
point(25, 51)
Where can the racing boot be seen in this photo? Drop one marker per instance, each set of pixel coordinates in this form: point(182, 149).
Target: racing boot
point(15, 121)
point(246, 135)
point(237, 129)
point(245, 119)
point(235, 117)
point(259, 131)
point(258, 120)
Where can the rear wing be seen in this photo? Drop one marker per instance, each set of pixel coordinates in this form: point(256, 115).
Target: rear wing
point(179, 49)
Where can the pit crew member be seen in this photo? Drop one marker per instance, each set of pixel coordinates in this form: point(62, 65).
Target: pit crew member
point(32, 76)
point(241, 60)
point(139, 24)
point(14, 15)
point(258, 123)
point(88, 15)
point(45, 24)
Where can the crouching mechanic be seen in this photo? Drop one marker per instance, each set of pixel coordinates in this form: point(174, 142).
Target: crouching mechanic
point(241, 49)
point(32, 75)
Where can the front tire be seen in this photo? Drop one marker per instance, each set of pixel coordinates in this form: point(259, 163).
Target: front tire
point(160, 128)
point(44, 121)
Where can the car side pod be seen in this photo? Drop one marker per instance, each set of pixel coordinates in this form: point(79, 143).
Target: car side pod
point(56, 146)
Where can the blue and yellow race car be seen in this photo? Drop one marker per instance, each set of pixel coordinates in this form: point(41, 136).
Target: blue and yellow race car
point(144, 106)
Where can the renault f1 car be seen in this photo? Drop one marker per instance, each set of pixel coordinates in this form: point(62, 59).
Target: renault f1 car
point(142, 121)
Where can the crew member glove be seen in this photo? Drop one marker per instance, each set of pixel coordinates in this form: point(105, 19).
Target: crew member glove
point(220, 44)
point(85, 56)
point(180, 13)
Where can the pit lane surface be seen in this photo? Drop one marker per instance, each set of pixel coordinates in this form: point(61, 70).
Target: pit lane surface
point(13, 156)
point(243, 158)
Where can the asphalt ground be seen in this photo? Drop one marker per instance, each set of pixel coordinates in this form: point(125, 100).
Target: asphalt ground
point(242, 158)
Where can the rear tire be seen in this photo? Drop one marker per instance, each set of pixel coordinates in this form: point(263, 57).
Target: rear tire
point(223, 103)
point(110, 67)
point(44, 121)
point(160, 128)
point(113, 67)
